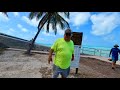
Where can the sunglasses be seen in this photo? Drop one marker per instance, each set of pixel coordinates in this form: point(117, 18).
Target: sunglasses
point(68, 34)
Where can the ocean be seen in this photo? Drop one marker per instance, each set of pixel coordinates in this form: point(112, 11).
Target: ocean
point(92, 50)
point(97, 51)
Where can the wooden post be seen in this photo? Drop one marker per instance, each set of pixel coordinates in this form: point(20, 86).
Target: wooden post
point(76, 72)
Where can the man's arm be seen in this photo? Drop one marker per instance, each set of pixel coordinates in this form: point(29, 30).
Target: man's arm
point(119, 51)
point(50, 55)
point(110, 52)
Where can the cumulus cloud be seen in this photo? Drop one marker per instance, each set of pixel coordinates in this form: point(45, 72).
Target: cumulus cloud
point(32, 22)
point(3, 17)
point(22, 28)
point(48, 34)
point(19, 25)
point(109, 38)
point(104, 23)
point(15, 14)
point(76, 19)
point(12, 30)
point(61, 32)
point(9, 31)
point(79, 18)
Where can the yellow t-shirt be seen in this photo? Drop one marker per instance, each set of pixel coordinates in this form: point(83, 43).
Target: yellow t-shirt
point(63, 53)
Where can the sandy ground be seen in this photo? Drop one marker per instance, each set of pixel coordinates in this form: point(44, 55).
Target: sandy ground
point(15, 64)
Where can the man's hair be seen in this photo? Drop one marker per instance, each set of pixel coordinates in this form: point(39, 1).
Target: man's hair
point(68, 30)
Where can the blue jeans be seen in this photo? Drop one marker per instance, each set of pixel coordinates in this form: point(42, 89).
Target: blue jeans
point(57, 70)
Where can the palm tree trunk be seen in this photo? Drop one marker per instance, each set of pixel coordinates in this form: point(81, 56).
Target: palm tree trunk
point(32, 43)
point(39, 29)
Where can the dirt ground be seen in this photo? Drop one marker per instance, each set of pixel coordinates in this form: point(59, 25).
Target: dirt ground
point(15, 64)
point(95, 68)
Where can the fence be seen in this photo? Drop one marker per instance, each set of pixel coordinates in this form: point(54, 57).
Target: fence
point(94, 51)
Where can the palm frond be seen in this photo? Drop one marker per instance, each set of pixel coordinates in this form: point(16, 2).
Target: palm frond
point(43, 20)
point(48, 22)
point(61, 21)
point(32, 15)
point(39, 15)
point(5, 13)
point(52, 18)
point(66, 24)
point(66, 14)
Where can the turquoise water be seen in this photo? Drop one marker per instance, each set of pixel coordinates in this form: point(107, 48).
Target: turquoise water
point(92, 50)
point(48, 45)
point(97, 51)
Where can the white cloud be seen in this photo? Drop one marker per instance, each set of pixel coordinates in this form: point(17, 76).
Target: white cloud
point(42, 40)
point(15, 14)
point(79, 18)
point(3, 17)
point(22, 28)
point(9, 31)
point(104, 23)
point(60, 32)
point(12, 30)
point(19, 25)
point(109, 38)
point(32, 22)
point(48, 34)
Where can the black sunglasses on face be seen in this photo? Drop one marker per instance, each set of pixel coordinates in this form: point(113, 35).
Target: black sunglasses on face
point(68, 34)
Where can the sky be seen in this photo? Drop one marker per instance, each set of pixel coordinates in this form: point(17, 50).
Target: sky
point(100, 29)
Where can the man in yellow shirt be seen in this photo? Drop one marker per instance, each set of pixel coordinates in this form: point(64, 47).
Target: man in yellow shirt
point(64, 53)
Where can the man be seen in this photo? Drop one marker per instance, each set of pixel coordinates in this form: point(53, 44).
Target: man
point(64, 53)
point(115, 51)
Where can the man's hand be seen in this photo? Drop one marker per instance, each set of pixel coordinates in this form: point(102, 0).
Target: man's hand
point(49, 60)
point(72, 57)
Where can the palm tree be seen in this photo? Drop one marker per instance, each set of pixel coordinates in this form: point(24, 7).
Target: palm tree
point(5, 13)
point(48, 18)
